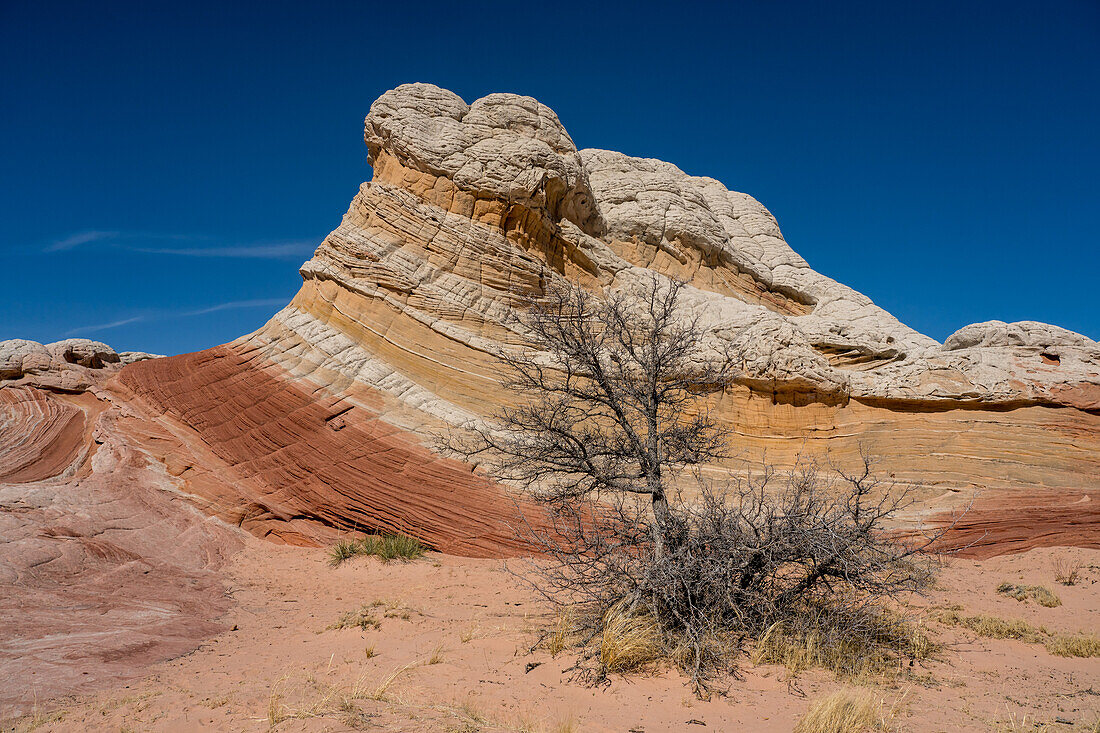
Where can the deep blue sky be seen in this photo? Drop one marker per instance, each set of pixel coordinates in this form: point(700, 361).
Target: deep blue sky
point(166, 167)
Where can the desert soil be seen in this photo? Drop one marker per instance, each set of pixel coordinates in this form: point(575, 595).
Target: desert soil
point(451, 653)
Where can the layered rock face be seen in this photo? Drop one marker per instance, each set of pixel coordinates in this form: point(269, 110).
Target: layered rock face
point(475, 208)
point(323, 420)
point(129, 471)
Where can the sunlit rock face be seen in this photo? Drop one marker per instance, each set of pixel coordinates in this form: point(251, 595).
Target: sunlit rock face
point(325, 419)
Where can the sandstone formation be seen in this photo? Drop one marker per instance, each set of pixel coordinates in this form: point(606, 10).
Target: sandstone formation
point(136, 472)
point(323, 420)
point(105, 566)
point(473, 208)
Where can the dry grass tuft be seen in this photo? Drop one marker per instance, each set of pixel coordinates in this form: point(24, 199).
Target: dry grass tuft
point(470, 633)
point(568, 724)
point(393, 608)
point(363, 618)
point(37, 719)
point(845, 711)
point(628, 641)
point(1074, 645)
point(880, 648)
point(1040, 594)
point(994, 627)
point(476, 719)
point(558, 639)
point(436, 656)
point(1019, 724)
point(362, 690)
point(1062, 645)
point(1066, 571)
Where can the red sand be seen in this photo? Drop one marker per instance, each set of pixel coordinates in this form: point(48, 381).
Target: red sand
point(280, 659)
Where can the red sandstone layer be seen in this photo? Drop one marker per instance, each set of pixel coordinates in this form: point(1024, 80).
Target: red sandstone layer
point(1002, 525)
point(40, 436)
point(298, 464)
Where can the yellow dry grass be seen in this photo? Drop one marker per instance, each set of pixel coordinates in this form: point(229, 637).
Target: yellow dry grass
point(361, 618)
point(1062, 645)
point(1074, 645)
point(629, 641)
point(558, 638)
point(1040, 594)
point(844, 711)
point(995, 627)
point(846, 656)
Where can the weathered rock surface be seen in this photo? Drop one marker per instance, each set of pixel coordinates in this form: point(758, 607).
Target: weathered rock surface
point(63, 365)
point(105, 565)
point(126, 471)
point(323, 419)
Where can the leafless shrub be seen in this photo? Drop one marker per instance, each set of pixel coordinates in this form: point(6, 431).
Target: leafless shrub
point(613, 385)
point(614, 413)
point(1067, 571)
point(799, 565)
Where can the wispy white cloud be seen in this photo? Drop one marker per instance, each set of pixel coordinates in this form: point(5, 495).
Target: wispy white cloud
point(140, 242)
point(104, 326)
point(75, 240)
point(261, 250)
point(168, 315)
point(236, 304)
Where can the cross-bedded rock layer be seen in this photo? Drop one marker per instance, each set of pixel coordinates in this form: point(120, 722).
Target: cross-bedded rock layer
point(323, 420)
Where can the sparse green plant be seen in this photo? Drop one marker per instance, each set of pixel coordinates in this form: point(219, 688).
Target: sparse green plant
point(393, 547)
point(342, 551)
point(1040, 594)
point(386, 547)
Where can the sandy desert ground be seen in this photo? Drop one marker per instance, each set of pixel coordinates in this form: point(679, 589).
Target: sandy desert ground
point(452, 654)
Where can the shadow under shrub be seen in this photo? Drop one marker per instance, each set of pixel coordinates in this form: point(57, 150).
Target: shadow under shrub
point(799, 570)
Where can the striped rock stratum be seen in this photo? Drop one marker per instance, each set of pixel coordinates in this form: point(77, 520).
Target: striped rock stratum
point(324, 420)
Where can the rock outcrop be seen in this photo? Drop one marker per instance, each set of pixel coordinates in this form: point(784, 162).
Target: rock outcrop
point(136, 471)
point(323, 420)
